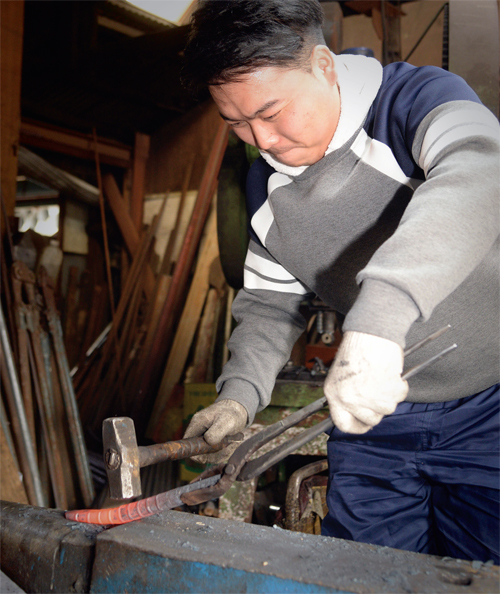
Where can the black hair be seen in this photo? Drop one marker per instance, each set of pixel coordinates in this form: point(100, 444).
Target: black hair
point(231, 38)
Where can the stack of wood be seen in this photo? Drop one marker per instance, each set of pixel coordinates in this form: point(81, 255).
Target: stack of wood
point(165, 324)
point(161, 313)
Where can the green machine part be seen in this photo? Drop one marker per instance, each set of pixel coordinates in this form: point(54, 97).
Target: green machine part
point(232, 220)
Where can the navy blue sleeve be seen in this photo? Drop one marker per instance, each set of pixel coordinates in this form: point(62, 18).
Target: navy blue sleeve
point(406, 96)
point(256, 192)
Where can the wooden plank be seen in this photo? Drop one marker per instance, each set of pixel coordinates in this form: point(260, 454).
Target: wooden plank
point(11, 50)
point(141, 154)
point(197, 373)
point(163, 339)
point(73, 143)
point(71, 313)
point(126, 225)
point(187, 326)
point(11, 487)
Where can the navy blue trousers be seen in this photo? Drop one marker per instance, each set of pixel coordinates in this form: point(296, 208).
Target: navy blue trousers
point(426, 479)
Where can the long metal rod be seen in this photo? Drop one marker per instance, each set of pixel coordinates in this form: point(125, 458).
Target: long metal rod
point(414, 370)
point(100, 340)
point(425, 32)
point(68, 393)
point(25, 435)
point(424, 341)
point(104, 227)
point(255, 467)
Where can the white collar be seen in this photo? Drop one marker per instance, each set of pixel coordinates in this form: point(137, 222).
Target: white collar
point(359, 79)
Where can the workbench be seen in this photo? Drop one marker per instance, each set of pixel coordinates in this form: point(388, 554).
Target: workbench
point(180, 552)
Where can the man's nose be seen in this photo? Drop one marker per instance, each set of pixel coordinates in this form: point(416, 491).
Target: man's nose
point(264, 136)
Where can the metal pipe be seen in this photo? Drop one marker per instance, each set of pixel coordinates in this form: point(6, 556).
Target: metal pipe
point(424, 341)
point(69, 398)
point(262, 463)
point(32, 477)
point(292, 503)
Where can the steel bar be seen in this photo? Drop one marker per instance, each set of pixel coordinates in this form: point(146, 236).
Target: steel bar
point(98, 342)
point(69, 398)
point(256, 467)
point(104, 226)
point(24, 279)
point(424, 341)
point(137, 264)
point(414, 370)
point(143, 508)
point(293, 491)
point(21, 316)
point(26, 450)
point(48, 420)
point(184, 448)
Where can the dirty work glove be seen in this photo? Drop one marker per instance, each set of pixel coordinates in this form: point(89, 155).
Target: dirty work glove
point(364, 383)
point(225, 417)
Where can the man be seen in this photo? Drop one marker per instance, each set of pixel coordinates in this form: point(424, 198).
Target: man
point(377, 190)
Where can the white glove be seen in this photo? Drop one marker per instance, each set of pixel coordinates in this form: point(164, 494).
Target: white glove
point(225, 417)
point(364, 383)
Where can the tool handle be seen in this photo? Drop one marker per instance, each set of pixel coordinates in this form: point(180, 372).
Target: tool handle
point(184, 448)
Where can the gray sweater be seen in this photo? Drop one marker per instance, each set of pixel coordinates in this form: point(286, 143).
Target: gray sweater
point(396, 227)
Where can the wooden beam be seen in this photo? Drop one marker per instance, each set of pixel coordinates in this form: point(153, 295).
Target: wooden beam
point(141, 154)
point(127, 227)
point(34, 166)
point(185, 331)
point(11, 49)
point(68, 142)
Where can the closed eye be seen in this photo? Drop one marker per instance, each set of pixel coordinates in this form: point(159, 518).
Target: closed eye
point(272, 117)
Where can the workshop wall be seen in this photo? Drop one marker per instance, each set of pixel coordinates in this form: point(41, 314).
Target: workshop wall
point(358, 30)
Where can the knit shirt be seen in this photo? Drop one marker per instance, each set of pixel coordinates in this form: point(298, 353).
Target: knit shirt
point(396, 227)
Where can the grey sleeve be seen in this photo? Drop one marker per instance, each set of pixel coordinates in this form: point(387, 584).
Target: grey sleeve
point(447, 229)
point(268, 324)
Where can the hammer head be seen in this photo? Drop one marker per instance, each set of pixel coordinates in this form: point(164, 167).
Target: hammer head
point(121, 458)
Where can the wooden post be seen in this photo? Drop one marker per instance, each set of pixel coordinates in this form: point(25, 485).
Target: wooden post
point(11, 49)
point(186, 329)
point(141, 154)
point(127, 227)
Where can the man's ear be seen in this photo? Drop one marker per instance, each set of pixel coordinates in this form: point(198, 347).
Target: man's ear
point(323, 64)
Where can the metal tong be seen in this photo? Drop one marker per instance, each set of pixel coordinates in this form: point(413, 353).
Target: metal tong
point(215, 481)
point(240, 467)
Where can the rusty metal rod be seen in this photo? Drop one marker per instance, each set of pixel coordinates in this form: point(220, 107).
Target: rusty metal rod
point(26, 450)
point(68, 393)
point(256, 467)
point(104, 226)
point(90, 403)
point(292, 504)
point(184, 448)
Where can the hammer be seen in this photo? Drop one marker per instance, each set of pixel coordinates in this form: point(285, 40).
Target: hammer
point(123, 458)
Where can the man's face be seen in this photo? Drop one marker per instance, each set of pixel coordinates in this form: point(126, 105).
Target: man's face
point(291, 114)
